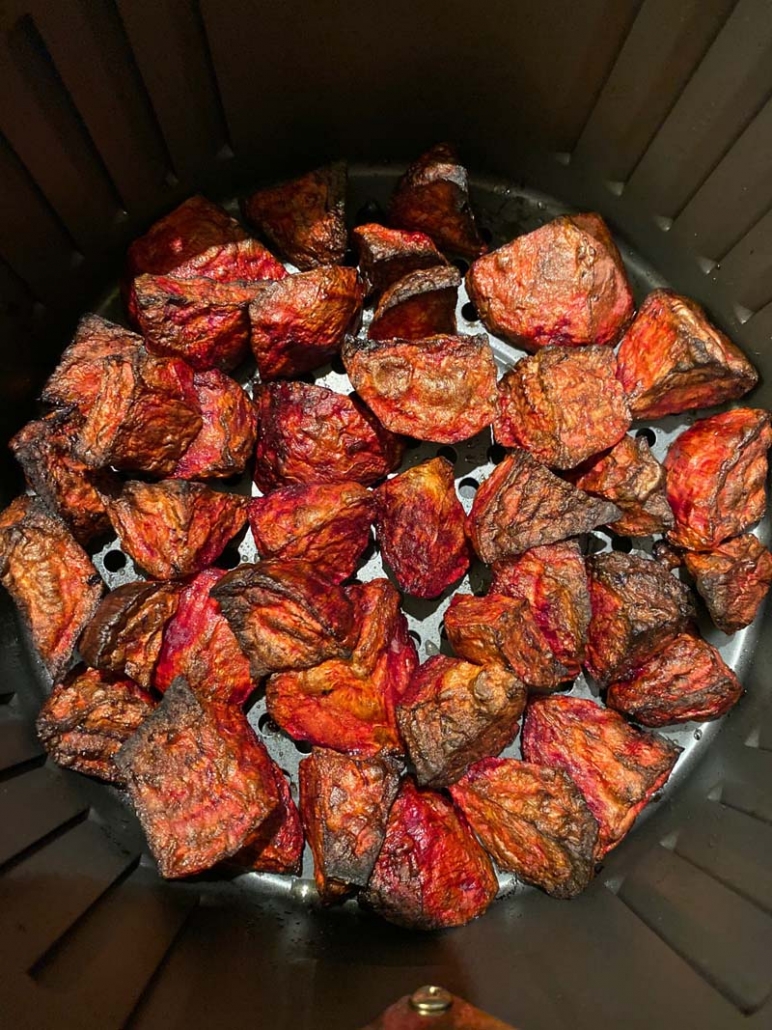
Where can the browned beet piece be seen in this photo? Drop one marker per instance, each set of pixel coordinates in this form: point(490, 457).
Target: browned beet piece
point(420, 526)
point(199, 645)
point(175, 528)
point(533, 821)
point(126, 631)
point(632, 478)
point(455, 713)
point(239, 261)
point(86, 719)
point(563, 405)
point(309, 434)
point(278, 847)
point(305, 217)
point(672, 359)
point(523, 505)
point(431, 872)
point(637, 608)
point(561, 284)
point(442, 388)
point(716, 477)
point(553, 581)
point(50, 577)
point(344, 805)
point(326, 524)
point(285, 615)
point(386, 255)
point(617, 768)
point(200, 780)
point(421, 304)
point(433, 197)
point(687, 679)
point(226, 440)
point(299, 323)
point(349, 704)
point(733, 580)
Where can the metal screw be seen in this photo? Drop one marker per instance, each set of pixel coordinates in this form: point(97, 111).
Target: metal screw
point(430, 1000)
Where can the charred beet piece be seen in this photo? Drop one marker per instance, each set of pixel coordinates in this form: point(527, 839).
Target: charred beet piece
point(126, 631)
point(562, 284)
point(308, 434)
point(201, 782)
point(637, 608)
point(285, 615)
point(433, 197)
point(88, 717)
point(553, 581)
point(304, 218)
point(386, 255)
point(299, 323)
point(344, 804)
point(672, 359)
point(563, 405)
point(716, 477)
point(226, 440)
point(523, 505)
point(733, 580)
point(441, 389)
point(687, 679)
point(199, 645)
point(455, 713)
point(326, 524)
point(420, 526)
point(421, 304)
point(533, 821)
point(242, 261)
point(175, 528)
point(349, 705)
point(278, 847)
point(617, 768)
point(50, 577)
point(431, 872)
point(632, 478)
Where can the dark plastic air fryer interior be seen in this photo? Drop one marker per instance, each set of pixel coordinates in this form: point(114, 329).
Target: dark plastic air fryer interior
point(657, 113)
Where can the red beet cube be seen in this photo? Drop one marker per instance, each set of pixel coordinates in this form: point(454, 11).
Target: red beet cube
point(226, 440)
point(386, 255)
point(733, 580)
point(421, 304)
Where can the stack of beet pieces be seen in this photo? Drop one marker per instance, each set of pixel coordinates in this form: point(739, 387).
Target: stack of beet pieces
point(404, 797)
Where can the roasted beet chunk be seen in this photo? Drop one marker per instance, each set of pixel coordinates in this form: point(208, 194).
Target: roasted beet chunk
point(716, 477)
point(433, 197)
point(199, 645)
point(563, 405)
point(421, 304)
point(200, 780)
point(50, 577)
point(278, 847)
point(562, 284)
point(687, 679)
point(243, 261)
point(126, 631)
point(672, 359)
point(441, 389)
point(299, 323)
point(386, 255)
point(632, 478)
point(175, 528)
point(304, 218)
point(455, 713)
point(533, 821)
point(344, 804)
point(286, 615)
point(733, 580)
point(88, 717)
point(637, 608)
point(326, 524)
point(308, 434)
point(431, 872)
point(349, 705)
point(617, 768)
point(226, 440)
point(420, 526)
point(553, 581)
point(523, 505)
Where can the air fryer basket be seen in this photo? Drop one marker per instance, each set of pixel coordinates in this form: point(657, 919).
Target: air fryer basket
point(658, 114)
